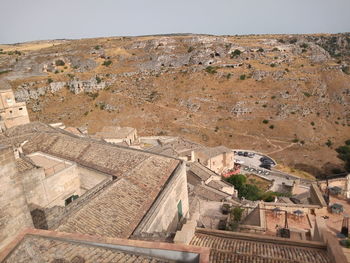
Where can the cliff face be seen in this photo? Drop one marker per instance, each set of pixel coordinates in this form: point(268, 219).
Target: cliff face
point(284, 95)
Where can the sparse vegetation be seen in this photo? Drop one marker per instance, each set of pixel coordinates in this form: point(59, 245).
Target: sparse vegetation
point(329, 143)
point(97, 47)
point(59, 62)
point(265, 121)
point(98, 79)
point(242, 77)
point(272, 126)
point(260, 50)
point(190, 49)
point(344, 154)
point(251, 191)
point(49, 80)
point(211, 70)
point(107, 63)
point(345, 69)
point(235, 53)
point(306, 94)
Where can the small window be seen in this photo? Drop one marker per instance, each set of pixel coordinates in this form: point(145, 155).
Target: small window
point(20, 108)
point(11, 111)
point(70, 199)
point(179, 210)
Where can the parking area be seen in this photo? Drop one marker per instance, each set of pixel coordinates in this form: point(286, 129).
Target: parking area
point(262, 166)
point(254, 159)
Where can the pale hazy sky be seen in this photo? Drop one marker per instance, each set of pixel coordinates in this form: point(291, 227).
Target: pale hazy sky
point(26, 20)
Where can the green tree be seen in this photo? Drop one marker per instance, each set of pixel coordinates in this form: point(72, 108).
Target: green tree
point(236, 213)
point(237, 180)
point(250, 192)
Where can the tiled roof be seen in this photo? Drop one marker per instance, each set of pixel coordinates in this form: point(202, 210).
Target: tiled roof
point(23, 164)
point(201, 171)
point(214, 151)
point(104, 157)
point(117, 211)
point(35, 249)
point(218, 184)
point(247, 248)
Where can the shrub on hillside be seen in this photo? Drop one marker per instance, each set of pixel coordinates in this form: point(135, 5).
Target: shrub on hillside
point(235, 53)
point(59, 62)
point(211, 70)
point(107, 63)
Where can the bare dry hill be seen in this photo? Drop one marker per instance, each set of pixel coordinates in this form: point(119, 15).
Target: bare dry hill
point(284, 95)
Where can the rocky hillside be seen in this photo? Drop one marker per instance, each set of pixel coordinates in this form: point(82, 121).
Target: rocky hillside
point(285, 95)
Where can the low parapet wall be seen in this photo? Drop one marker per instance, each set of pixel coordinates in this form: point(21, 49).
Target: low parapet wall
point(292, 207)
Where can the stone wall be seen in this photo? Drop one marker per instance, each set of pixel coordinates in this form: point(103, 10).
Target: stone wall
point(51, 218)
point(217, 163)
point(49, 191)
point(14, 215)
point(163, 215)
point(90, 178)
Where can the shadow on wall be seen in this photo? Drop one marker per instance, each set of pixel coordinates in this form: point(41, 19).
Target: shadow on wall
point(39, 219)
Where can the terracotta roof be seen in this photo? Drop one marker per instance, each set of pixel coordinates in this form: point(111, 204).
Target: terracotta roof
point(24, 164)
point(38, 246)
point(246, 248)
point(209, 193)
point(35, 249)
point(117, 211)
point(104, 157)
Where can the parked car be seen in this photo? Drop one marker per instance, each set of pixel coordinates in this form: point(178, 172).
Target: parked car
point(266, 173)
point(259, 171)
point(251, 155)
point(266, 166)
point(245, 154)
point(267, 160)
point(251, 170)
point(246, 168)
point(240, 153)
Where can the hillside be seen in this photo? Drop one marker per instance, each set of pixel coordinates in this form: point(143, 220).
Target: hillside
point(284, 95)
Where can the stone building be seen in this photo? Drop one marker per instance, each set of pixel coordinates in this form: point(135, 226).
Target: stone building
point(14, 215)
point(12, 113)
point(80, 185)
point(116, 134)
point(217, 159)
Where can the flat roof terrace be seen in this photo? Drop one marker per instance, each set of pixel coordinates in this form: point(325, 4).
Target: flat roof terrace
point(51, 165)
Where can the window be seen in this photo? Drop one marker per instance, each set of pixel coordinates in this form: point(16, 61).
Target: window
point(70, 199)
point(11, 111)
point(179, 210)
point(20, 108)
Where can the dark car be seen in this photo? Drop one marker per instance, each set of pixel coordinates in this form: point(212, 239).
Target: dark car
point(245, 154)
point(240, 153)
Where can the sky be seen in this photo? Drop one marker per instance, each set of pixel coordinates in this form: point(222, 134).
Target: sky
point(27, 20)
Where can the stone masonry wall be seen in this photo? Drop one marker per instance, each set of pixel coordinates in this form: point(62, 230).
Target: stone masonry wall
point(163, 216)
point(14, 211)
